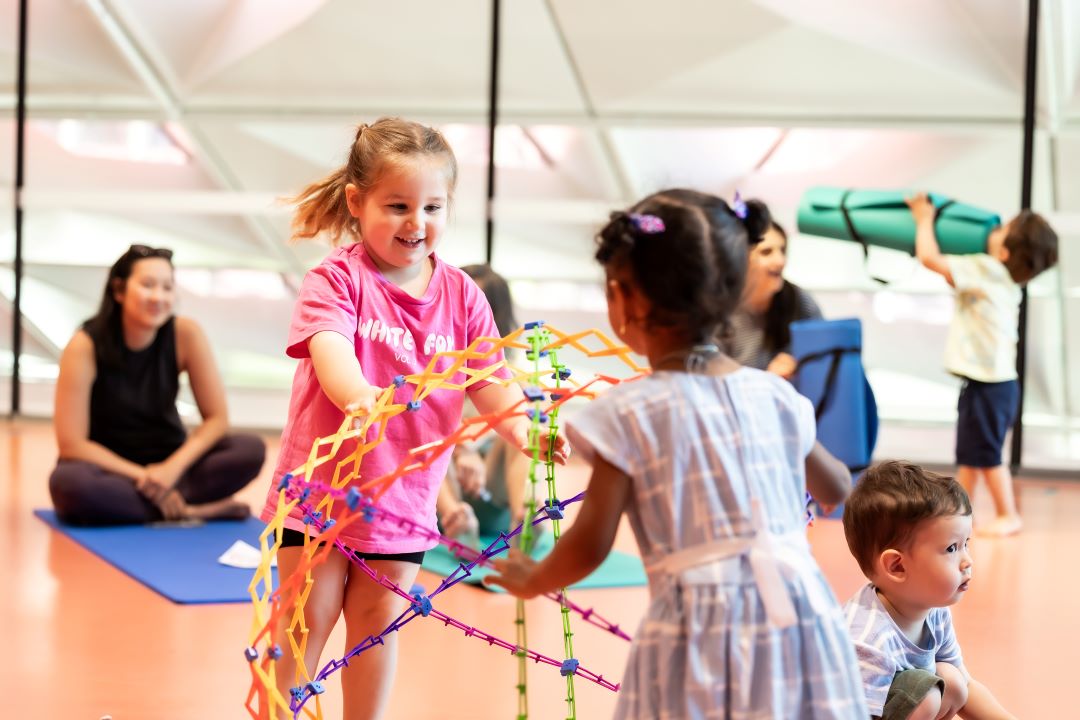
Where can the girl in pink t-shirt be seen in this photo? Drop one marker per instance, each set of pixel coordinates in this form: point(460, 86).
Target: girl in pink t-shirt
point(374, 309)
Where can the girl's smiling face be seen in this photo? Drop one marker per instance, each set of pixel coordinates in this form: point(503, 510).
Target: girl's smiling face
point(402, 217)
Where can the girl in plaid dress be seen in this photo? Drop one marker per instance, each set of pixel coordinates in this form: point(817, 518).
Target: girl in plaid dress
point(710, 461)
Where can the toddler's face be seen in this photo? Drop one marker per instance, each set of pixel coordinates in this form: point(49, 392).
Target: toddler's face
point(938, 562)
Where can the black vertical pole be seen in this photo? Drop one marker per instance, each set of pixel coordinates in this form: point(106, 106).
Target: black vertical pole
point(1030, 77)
point(20, 152)
point(493, 121)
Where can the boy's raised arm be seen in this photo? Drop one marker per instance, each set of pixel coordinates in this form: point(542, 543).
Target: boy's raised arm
point(927, 249)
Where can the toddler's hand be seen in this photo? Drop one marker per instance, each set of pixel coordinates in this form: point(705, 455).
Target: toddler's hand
point(921, 207)
point(513, 574)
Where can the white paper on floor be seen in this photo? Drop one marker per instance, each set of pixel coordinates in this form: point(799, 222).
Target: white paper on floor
point(242, 555)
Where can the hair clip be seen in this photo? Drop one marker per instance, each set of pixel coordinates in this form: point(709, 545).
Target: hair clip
point(648, 224)
point(738, 206)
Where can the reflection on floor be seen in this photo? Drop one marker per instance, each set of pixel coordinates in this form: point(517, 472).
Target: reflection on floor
point(85, 641)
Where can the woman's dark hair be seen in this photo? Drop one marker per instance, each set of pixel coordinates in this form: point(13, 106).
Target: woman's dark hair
point(784, 307)
point(497, 291)
point(693, 269)
point(105, 327)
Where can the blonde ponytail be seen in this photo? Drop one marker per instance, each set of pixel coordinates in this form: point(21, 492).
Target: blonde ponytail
point(321, 208)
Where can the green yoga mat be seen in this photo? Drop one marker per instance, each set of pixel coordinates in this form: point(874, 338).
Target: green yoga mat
point(881, 218)
point(618, 570)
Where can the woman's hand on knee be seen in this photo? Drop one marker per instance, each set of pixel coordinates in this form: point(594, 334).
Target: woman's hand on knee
point(164, 474)
point(168, 501)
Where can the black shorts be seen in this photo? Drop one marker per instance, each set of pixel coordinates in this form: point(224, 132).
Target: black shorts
point(985, 413)
point(295, 538)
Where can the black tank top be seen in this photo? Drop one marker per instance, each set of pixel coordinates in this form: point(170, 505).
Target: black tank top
point(133, 407)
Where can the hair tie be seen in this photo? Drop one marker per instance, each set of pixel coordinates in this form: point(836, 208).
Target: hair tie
point(647, 224)
point(738, 207)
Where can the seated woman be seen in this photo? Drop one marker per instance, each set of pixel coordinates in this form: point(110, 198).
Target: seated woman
point(125, 457)
point(759, 333)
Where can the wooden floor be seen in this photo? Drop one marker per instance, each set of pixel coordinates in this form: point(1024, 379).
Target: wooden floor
point(84, 641)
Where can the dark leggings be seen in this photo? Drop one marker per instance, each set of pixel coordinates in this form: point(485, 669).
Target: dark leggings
point(86, 494)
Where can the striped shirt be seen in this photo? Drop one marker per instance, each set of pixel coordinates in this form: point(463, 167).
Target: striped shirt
point(746, 337)
point(883, 650)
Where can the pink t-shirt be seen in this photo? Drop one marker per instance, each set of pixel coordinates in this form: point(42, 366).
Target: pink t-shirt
point(394, 334)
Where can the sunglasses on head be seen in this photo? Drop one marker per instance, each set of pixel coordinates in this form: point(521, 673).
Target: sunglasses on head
point(145, 251)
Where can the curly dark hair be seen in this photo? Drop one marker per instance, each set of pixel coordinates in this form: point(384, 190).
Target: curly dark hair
point(693, 271)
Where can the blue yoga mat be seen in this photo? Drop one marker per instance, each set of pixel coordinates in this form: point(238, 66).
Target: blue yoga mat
point(617, 570)
point(177, 562)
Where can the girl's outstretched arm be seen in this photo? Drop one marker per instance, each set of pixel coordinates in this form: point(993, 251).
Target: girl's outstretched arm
point(827, 479)
point(581, 548)
point(334, 358)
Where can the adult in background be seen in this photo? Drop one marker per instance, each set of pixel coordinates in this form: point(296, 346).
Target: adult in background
point(485, 486)
point(759, 330)
point(125, 457)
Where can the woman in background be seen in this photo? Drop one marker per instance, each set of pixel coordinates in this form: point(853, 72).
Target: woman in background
point(759, 330)
point(125, 457)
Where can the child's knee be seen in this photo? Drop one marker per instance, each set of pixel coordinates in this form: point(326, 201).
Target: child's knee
point(955, 695)
point(928, 708)
point(914, 695)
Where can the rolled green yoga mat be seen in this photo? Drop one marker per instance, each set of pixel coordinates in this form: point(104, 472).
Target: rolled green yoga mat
point(881, 218)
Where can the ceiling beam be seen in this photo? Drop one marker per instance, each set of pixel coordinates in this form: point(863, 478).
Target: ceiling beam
point(118, 108)
point(136, 50)
point(226, 202)
point(607, 144)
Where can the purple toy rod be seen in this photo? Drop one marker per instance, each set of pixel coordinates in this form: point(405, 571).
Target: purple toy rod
point(420, 605)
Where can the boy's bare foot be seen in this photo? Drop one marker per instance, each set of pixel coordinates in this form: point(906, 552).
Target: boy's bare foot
point(1002, 526)
point(227, 509)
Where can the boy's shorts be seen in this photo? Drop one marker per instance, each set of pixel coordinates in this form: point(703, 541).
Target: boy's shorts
point(908, 689)
point(985, 413)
